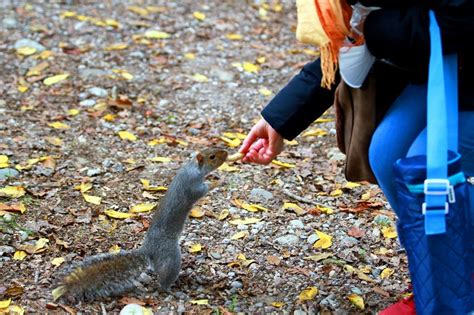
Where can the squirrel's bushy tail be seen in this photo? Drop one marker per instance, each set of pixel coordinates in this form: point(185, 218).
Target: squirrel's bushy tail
point(102, 275)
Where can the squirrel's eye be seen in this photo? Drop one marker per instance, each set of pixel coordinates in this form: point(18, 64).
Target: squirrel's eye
point(212, 157)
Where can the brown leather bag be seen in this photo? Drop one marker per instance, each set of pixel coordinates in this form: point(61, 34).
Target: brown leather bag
point(356, 120)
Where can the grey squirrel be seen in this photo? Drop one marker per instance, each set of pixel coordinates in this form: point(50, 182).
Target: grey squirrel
point(113, 274)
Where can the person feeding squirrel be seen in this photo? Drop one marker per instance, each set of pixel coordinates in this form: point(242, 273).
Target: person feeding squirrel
point(106, 275)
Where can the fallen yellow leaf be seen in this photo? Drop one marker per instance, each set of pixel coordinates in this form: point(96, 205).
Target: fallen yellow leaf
point(389, 232)
point(196, 212)
point(231, 142)
point(16, 310)
point(245, 221)
point(5, 303)
point(261, 60)
point(124, 74)
point(382, 251)
point(58, 292)
point(12, 191)
point(325, 240)
point(283, 164)
point(336, 193)
point(45, 54)
point(19, 255)
point(146, 186)
point(142, 207)
point(293, 207)
point(37, 69)
point(83, 187)
point(92, 199)
point(278, 304)
point(250, 67)
point(357, 300)
point(115, 249)
point(315, 133)
point(265, 92)
point(324, 120)
point(366, 196)
point(109, 117)
point(351, 185)
point(200, 302)
point(26, 51)
point(3, 161)
point(308, 294)
point(227, 168)
point(262, 13)
point(234, 36)
point(57, 261)
point(117, 214)
point(73, 112)
point(224, 214)
point(22, 88)
point(54, 141)
point(55, 79)
point(157, 141)
point(58, 125)
point(117, 46)
point(326, 210)
point(200, 78)
point(160, 159)
point(387, 272)
point(199, 15)
point(156, 35)
point(239, 235)
point(67, 14)
point(189, 56)
point(40, 244)
point(195, 248)
point(253, 207)
point(235, 135)
point(138, 10)
point(112, 22)
point(125, 135)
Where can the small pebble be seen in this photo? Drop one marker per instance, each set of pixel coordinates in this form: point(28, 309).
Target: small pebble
point(87, 103)
point(99, 92)
point(297, 224)
point(312, 238)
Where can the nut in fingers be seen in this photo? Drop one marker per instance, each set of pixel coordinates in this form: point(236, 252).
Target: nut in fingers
point(235, 157)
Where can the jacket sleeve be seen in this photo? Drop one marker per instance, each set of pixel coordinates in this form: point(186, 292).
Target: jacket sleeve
point(299, 103)
point(401, 35)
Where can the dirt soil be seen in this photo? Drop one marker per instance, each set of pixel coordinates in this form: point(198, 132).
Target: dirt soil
point(177, 76)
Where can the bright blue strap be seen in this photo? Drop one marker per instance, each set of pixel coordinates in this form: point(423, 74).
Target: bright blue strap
point(438, 114)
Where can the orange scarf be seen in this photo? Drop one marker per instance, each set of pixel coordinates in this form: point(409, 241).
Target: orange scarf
point(324, 23)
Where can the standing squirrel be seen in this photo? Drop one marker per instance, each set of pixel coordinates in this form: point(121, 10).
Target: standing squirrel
point(105, 275)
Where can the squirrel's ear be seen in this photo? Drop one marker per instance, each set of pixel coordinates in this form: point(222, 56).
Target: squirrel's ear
point(200, 159)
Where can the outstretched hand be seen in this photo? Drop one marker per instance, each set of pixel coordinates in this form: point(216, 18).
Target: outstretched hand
point(262, 144)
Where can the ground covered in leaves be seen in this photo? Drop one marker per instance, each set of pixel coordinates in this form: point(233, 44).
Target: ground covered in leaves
point(101, 103)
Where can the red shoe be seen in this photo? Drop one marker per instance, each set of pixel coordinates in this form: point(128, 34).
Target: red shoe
point(404, 307)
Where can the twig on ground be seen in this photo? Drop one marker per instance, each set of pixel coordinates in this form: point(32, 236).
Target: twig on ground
point(301, 199)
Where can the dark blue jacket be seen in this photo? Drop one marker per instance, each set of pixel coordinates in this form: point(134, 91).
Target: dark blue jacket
point(398, 36)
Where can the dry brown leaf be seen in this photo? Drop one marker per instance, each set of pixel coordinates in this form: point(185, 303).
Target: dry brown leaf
point(273, 260)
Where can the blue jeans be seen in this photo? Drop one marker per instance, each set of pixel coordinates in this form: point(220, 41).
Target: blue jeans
point(402, 133)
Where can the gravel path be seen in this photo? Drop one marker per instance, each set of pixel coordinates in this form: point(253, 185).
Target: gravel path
point(176, 81)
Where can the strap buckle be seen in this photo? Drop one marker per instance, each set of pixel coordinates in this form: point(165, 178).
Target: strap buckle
point(436, 186)
point(424, 210)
